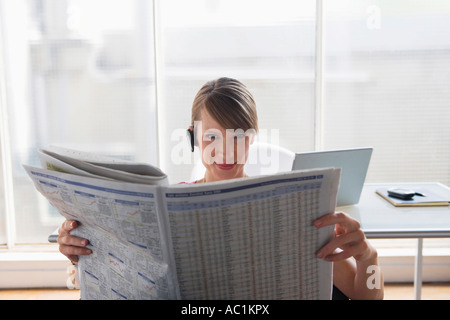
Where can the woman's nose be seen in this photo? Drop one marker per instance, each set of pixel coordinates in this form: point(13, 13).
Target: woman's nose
point(226, 153)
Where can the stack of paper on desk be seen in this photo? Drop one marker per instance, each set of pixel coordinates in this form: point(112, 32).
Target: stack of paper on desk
point(250, 238)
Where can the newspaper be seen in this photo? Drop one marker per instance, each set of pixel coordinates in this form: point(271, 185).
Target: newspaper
point(249, 238)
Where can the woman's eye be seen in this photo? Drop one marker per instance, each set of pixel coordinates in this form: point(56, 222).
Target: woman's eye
point(211, 137)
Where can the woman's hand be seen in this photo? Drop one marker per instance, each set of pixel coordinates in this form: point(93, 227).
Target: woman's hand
point(349, 238)
point(69, 245)
point(358, 279)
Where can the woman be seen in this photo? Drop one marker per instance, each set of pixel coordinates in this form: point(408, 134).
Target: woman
point(227, 104)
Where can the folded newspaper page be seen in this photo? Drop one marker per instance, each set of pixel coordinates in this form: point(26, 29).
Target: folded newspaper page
point(250, 238)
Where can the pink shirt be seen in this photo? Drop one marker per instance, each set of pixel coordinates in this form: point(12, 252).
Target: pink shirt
point(183, 182)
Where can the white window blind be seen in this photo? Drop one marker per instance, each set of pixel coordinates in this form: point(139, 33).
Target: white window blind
point(91, 74)
point(78, 74)
point(268, 45)
point(3, 222)
point(387, 85)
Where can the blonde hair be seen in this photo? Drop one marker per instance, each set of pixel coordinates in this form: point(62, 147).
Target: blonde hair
point(228, 102)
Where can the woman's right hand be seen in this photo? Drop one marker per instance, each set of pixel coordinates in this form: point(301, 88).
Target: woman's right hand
point(69, 245)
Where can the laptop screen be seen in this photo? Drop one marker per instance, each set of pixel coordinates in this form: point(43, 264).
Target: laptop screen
point(354, 164)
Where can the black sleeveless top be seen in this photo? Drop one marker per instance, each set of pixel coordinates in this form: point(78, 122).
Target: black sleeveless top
point(338, 295)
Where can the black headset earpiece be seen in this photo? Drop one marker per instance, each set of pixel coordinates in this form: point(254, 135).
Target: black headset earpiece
point(191, 138)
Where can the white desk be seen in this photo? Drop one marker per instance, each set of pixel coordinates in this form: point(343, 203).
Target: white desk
point(380, 219)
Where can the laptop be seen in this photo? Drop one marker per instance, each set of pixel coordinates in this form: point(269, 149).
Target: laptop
point(353, 163)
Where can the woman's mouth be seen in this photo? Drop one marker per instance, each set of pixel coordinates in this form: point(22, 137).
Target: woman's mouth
point(225, 166)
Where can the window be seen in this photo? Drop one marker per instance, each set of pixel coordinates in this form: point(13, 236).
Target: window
point(268, 45)
point(78, 74)
point(386, 85)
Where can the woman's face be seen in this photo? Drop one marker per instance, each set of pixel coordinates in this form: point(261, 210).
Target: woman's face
point(224, 152)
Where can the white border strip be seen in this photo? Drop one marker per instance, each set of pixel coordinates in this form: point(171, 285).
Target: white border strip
point(5, 149)
point(318, 86)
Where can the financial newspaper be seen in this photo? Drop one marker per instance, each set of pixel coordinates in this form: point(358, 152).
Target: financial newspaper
point(249, 238)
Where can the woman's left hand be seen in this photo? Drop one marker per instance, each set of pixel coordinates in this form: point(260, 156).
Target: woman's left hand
point(349, 238)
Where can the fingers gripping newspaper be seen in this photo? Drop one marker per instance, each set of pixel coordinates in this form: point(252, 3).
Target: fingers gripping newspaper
point(250, 238)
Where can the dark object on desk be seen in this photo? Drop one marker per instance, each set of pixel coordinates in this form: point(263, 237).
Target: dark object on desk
point(404, 194)
point(401, 197)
